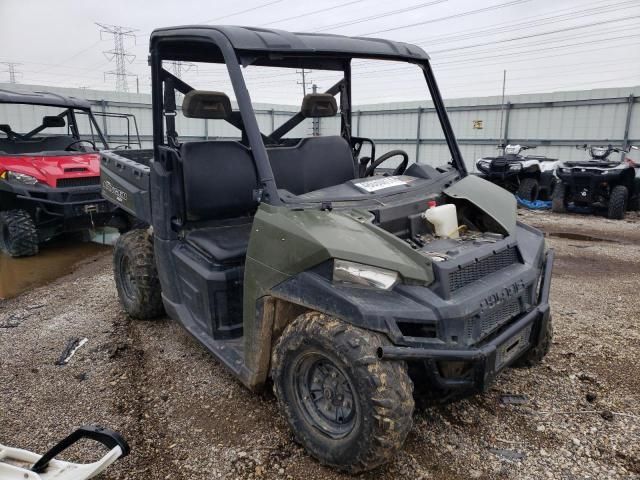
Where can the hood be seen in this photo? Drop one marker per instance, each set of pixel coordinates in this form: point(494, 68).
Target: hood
point(48, 169)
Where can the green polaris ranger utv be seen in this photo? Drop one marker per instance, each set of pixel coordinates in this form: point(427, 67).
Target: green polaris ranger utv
point(353, 285)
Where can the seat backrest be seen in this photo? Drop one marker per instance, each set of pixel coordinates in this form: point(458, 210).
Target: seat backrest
point(219, 180)
point(312, 164)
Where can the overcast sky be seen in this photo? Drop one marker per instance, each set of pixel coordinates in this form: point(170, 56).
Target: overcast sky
point(545, 45)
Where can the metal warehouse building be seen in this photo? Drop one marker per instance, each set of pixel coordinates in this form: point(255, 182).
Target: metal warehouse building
point(555, 122)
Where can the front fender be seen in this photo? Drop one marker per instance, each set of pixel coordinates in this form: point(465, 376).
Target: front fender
point(372, 309)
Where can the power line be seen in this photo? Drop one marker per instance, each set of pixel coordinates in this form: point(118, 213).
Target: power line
point(533, 35)
point(504, 27)
point(247, 10)
point(379, 15)
point(119, 54)
point(450, 17)
point(295, 17)
point(11, 70)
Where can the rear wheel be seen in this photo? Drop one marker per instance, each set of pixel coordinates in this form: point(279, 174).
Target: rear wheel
point(348, 408)
point(18, 233)
point(558, 201)
point(618, 202)
point(529, 189)
point(136, 275)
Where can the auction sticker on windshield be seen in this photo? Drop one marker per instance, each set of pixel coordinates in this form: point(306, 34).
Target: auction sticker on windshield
point(380, 184)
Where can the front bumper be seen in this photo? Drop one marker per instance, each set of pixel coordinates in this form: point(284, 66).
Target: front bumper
point(66, 203)
point(483, 362)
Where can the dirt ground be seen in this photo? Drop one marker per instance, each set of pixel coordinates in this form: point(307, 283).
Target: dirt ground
point(187, 418)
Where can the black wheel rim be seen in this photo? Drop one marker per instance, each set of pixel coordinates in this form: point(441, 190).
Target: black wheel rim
point(126, 277)
point(325, 395)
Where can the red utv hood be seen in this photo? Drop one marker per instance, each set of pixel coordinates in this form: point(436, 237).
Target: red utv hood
point(50, 168)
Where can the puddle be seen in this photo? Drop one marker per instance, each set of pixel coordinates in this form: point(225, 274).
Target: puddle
point(581, 237)
point(55, 259)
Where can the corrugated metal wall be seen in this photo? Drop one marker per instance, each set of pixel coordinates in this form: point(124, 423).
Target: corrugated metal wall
point(555, 122)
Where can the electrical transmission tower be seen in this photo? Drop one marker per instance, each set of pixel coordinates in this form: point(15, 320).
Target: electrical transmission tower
point(11, 70)
point(119, 54)
point(303, 73)
point(180, 67)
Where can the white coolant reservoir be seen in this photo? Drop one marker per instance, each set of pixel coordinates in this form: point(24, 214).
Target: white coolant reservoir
point(444, 219)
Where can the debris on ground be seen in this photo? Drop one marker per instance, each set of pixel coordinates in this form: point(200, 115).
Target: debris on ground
point(72, 347)
point(152, 382)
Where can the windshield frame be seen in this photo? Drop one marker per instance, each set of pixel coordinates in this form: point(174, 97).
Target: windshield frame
point(69, 113)
point(217, 48)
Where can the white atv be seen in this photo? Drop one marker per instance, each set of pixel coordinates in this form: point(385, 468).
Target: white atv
point(530, 177)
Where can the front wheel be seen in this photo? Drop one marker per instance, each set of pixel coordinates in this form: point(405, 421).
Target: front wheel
point(618, 202)
point(529, 189)
point(18, 234)
point(558, 198)
point(136, 276)
point(349, 409)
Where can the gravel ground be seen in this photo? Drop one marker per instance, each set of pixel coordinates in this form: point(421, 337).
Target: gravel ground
point(187, 418)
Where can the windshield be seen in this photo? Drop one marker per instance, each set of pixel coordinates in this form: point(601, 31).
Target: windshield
point(28, 128)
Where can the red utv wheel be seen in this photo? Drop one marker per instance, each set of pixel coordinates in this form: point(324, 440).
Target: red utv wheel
point(18, 234)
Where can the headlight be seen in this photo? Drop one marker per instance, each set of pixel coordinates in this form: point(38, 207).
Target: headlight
point(515, 167)
point(363, 275)
point(512, 149)
point(484, 164)
point(21, 178)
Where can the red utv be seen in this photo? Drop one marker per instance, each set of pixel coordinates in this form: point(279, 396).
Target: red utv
point(49, 172)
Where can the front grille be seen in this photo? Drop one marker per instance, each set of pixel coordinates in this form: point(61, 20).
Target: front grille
point(479, 326)
point(485, 266)
point(77, 182)
point(498, 316)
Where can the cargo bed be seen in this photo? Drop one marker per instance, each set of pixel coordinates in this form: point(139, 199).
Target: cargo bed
point(124, 177)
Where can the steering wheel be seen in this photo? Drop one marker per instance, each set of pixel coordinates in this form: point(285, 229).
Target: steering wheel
point(69, 149)
point(386, 156)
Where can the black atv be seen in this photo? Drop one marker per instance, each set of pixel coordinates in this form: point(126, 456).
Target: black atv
point(530, 177)
point(599, 183)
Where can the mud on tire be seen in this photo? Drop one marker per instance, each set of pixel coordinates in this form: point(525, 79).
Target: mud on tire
point(529, 189)
point(537, 352)
point(18, 233)
point(349, 409)
point(618, 202)
point(136, 275)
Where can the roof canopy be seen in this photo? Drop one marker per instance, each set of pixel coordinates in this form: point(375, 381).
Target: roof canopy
point(272, 47)
point(43, 98)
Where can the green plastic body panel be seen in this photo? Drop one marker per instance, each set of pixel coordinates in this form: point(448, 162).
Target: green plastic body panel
point(495, 201)
point(285, 242)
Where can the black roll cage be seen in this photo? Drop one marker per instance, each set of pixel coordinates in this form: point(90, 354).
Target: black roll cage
point(217, 48)
point(69, 113)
